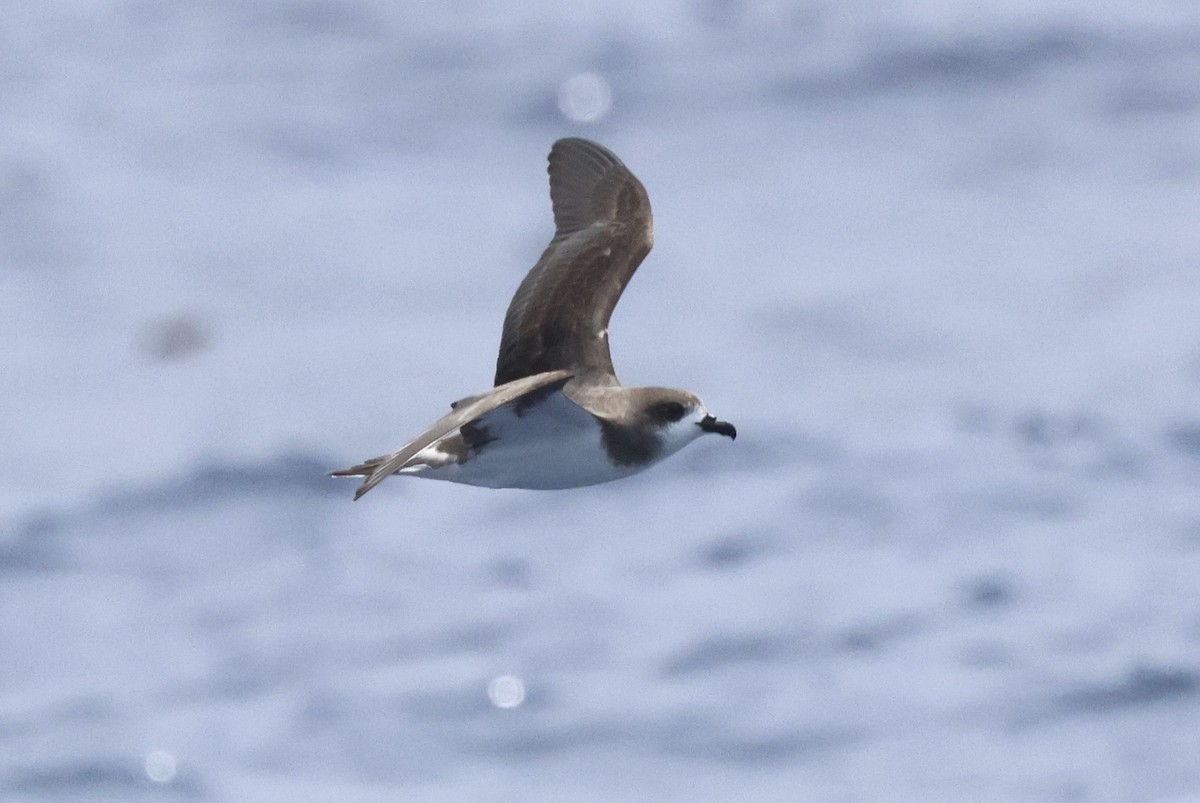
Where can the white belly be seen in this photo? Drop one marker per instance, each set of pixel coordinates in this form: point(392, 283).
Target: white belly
point(554, 445)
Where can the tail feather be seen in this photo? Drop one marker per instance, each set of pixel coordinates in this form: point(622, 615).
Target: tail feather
point(363, 469)
point(370, 469)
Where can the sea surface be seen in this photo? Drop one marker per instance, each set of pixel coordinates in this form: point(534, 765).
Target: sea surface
point(938, 261)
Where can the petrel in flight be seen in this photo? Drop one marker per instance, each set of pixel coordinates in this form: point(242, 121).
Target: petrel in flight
point(557, 416)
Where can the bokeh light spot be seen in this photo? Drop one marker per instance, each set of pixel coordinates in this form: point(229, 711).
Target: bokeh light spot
point(506, 691)
point(585, 98)
point(160, 766)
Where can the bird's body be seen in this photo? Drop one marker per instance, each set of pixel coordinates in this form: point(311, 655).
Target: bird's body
point(558, 417)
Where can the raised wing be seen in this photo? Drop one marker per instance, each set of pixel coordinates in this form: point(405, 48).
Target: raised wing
point(520, 391)
point(558, 318)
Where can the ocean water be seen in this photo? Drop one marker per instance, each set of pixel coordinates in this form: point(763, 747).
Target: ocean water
point(939, 262)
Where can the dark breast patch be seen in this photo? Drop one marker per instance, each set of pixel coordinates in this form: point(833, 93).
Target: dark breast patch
point(630, 445)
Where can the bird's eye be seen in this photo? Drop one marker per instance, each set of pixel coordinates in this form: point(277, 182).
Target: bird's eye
point(669, 411)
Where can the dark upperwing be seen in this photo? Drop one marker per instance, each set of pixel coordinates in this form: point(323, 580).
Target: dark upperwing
point(558, 318)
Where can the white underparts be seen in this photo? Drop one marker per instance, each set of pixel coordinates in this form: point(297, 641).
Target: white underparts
point(550, 445)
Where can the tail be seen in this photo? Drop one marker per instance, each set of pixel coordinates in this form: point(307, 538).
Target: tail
point(369, 469)
point(364, 469)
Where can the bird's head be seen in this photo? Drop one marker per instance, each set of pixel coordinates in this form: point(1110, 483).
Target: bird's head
point(680, 417)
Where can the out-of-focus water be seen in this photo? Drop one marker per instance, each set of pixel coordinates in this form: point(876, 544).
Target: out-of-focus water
point(940, 263)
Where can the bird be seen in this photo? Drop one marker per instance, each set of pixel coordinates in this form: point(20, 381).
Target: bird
point(557, 417)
